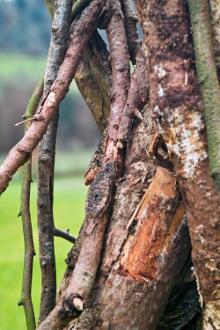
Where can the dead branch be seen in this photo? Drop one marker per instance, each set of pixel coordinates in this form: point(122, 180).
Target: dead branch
point(81, 32)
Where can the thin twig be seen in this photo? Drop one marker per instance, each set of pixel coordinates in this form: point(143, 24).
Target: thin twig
point(26, 300)
point(207, 75)
point(65, 235)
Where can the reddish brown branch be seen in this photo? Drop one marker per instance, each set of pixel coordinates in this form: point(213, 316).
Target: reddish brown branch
point(131, 20)
point(137, 96)
point(120, 69)
point(81, 32)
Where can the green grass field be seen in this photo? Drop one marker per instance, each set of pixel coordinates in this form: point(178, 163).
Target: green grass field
point(20, 64)
point(26, 68)
point(69, 205)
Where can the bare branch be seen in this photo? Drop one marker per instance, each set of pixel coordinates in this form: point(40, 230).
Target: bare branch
point(82, 31)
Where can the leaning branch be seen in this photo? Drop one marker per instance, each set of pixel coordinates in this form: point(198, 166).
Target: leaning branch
point(82, 31)
point(207, 75)
point(26, 300)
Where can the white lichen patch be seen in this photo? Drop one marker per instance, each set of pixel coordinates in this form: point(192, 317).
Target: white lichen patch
point(187, 144)
point(160, 71)
point(198, 288)
point(211, 313)
point(212, 265)
point(161, 91)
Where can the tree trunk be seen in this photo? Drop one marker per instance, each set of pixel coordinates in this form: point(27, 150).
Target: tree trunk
point(151, 195)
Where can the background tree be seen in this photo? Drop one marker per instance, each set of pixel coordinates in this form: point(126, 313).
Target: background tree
point(130, 267)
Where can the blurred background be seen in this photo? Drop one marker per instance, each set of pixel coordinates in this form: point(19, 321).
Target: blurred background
point(24, 39)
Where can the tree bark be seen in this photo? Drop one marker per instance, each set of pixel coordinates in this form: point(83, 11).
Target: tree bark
point(46, 161)
point(149, 178)
point(131, 272)
point(176, 102)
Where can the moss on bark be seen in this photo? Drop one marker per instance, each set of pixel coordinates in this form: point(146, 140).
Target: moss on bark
point(209, 85)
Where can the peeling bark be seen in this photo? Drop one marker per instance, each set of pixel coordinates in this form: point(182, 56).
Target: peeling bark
point(115, 289)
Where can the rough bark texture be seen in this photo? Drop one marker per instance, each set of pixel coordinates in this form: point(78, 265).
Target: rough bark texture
point(118, 285)
point(120, 69)
point(46, 161)
point(147, 173)
point(81, 32)
point(131, 20)
point(215, 11)
point(177, 105)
